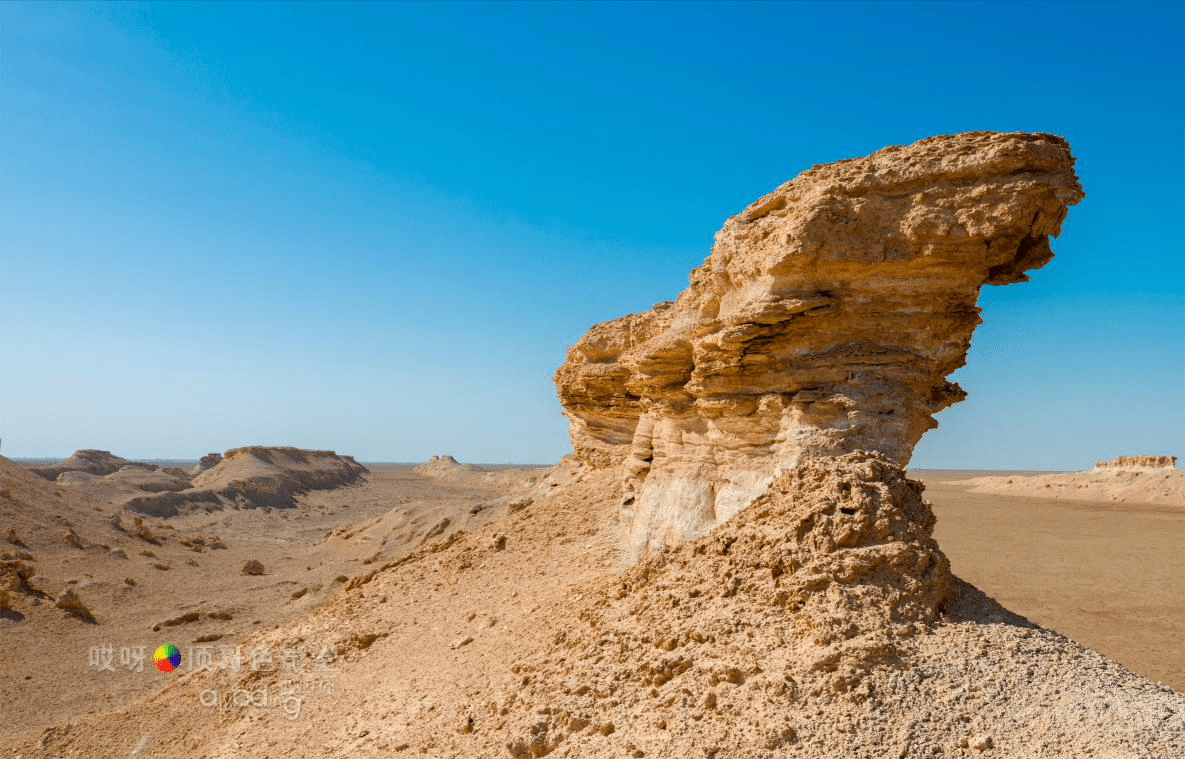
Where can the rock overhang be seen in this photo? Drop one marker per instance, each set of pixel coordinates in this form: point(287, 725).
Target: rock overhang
point(826, 320)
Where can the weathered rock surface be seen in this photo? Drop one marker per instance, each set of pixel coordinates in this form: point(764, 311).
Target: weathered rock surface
point(209, 461)
point(823, 616)
point(825, 321)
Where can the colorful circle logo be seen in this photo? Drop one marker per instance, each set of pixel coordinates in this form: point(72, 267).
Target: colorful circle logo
point(166, 658)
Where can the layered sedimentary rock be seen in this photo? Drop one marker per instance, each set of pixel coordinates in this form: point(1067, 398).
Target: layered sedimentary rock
point(1137, 463)
point(825, 321)
point(1125, 479)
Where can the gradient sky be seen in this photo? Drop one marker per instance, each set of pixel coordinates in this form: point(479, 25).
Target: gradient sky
point(378, 227)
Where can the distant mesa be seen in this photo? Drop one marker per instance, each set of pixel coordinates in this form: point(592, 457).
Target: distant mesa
point(445, 466)
point(522, 481)
point(1137, 463)
point(254, 476)
point(1125, 479)
point(825, 321)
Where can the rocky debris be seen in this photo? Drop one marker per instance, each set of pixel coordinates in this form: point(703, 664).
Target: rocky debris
point(518, 504)
point(495, 542)
point(436, 530)
point(74, 605)
point(980, 742)
point(252, 567)
point(1137, 463)
point(12, 537)
point(72, 538)
point(15, 576)
point(824, 615)
point(191, 617)
point(141, 531)
point(826, 320)
point(118, 553)
point(88, 460)
point(827, 576)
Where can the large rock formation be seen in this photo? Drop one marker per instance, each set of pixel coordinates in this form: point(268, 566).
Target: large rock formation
point(251, 477)
point(825, 321)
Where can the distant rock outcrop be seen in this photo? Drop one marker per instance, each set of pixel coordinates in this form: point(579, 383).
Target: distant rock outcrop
point(254, 476)
point(209, 461)
point(86, 460)
point(447, 467)
point(825, 321)
point(516, 480)
point(1137, 463)
point(1126, 479)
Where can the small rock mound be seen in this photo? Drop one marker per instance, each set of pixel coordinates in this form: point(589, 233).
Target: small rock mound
point(252, 567)
point(827, 576)
point(86, 460)
point(74, 605)
point(209, 461)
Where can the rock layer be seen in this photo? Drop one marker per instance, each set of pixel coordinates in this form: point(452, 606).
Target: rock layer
point(825, 321)
point(1137, 463)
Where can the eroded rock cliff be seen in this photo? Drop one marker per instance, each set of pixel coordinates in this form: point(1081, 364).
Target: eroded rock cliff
point(825, 321)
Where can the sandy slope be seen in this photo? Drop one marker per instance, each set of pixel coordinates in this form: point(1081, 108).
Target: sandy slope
point(469, 645)
point(185, 575)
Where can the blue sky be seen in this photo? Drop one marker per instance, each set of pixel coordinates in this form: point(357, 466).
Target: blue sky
point(377, 227)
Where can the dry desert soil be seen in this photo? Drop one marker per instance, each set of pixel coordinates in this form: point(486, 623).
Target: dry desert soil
point(1103, 574)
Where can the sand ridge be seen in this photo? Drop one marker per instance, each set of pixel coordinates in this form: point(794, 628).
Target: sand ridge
point(1163, 486)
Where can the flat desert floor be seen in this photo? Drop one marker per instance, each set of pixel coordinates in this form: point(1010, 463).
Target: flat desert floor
point(1107, 575)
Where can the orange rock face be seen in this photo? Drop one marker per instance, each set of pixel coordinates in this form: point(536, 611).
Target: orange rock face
point(825, 321)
